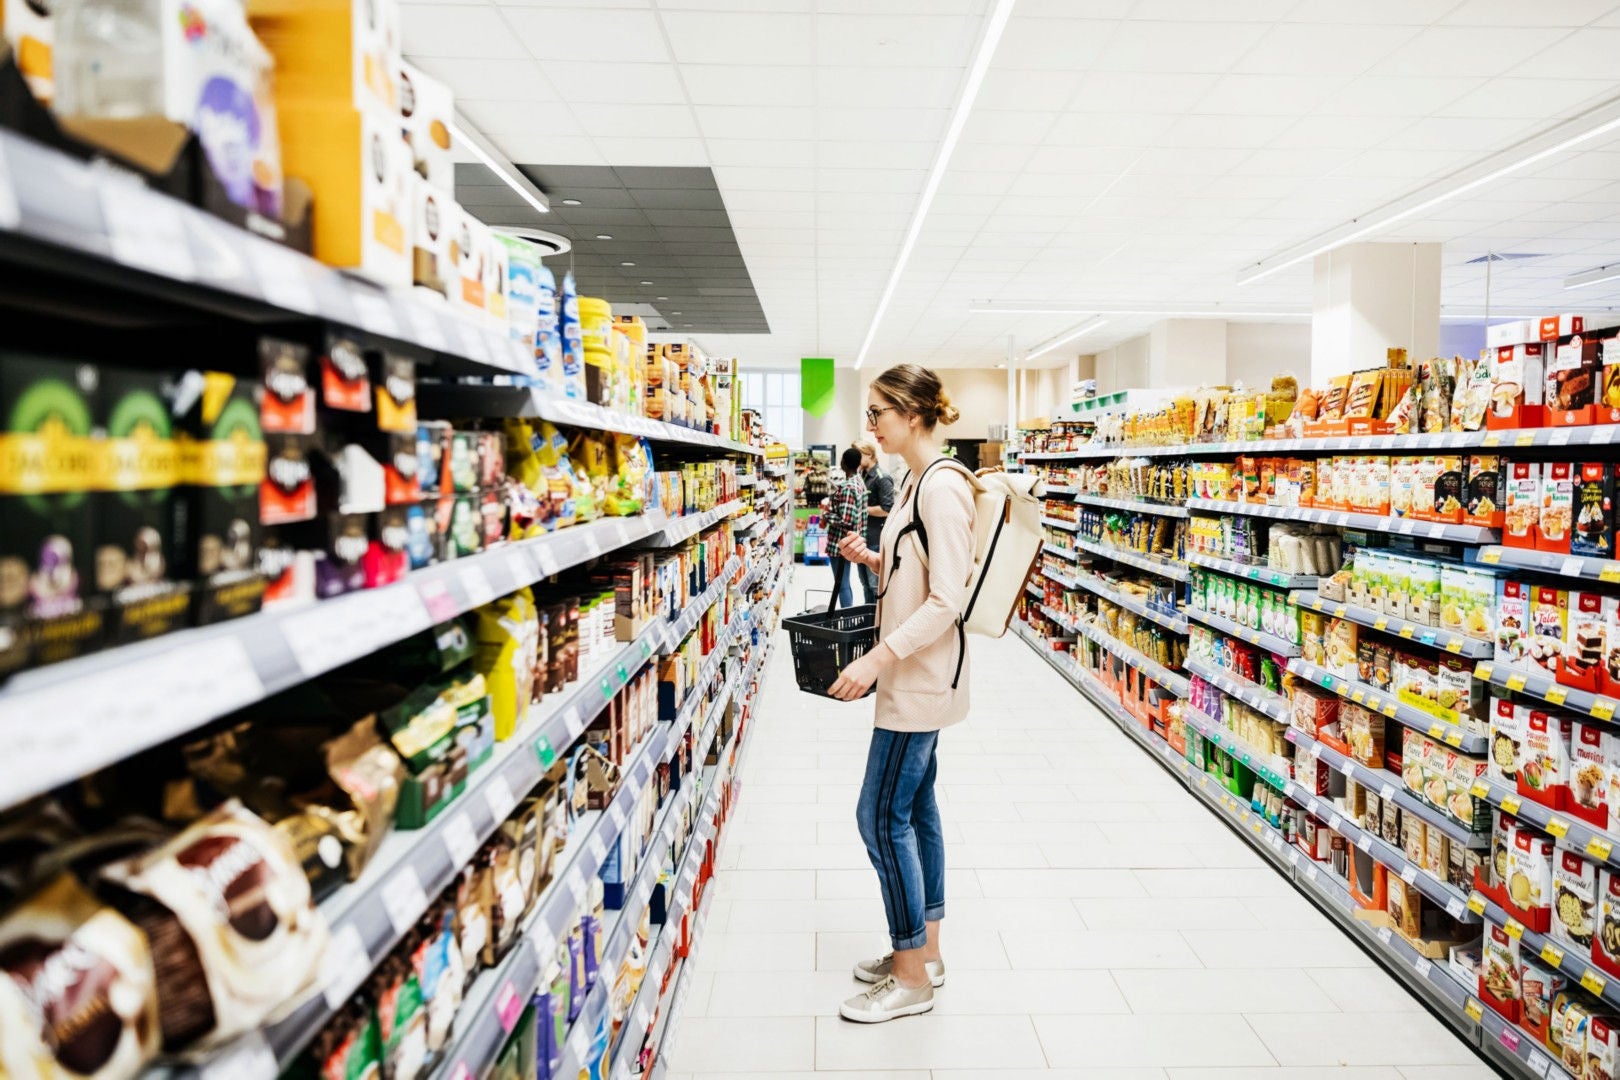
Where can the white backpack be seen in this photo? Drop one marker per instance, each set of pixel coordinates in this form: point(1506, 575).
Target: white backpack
point(1007, 538)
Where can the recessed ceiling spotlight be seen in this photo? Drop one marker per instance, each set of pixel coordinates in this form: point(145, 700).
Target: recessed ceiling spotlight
point(674, 313)
point(627, 264)
point(603, 236)
point(660, 298)
point(570, 202)
point(646, 283)
point(687, 325)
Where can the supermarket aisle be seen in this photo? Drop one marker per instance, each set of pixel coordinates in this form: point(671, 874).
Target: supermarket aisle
point(1102, 924)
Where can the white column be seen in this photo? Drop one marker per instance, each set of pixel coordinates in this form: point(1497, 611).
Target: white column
point(1012, 398)
point(1368, 298)
point(1182, 353)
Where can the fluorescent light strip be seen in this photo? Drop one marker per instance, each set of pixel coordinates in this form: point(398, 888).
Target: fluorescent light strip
point(1064, 339)
point(964, 107)
point(1595, 276)
point(1095, 310)
point(1379, 223)
point(472, 140)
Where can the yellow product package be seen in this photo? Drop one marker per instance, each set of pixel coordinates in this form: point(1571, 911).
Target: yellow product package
point(508, 640)
point(562, 485)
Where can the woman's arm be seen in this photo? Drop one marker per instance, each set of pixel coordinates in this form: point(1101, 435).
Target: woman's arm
point(947, 513)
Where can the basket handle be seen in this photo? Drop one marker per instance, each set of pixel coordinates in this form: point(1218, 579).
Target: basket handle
point(838, 584)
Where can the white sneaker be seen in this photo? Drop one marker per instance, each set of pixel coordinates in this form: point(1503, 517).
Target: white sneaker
point(872, 971)
point(887, 1001)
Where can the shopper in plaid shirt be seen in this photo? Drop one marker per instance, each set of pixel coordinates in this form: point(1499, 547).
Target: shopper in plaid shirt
point(846, 513)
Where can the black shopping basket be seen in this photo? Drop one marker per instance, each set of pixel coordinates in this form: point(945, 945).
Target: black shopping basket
point(826, 642)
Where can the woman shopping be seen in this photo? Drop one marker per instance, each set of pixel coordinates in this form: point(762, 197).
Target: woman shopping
point(920, 667)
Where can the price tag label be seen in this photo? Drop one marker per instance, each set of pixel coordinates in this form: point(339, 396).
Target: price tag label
point(461, 1072)
point(1511, 803)
point(1480, 789)
point(334, 632)
point(1516, 681)
point(1556, 694)
point(1474, 1010)
point(374, 312)
point(508, 1006)
point(545, 751)
point(282, 276)
point(404, 900)
point(1513, 928)
point(1409, 873)
point(1476, 903)
point(436, 595)
point(1552, 954)
point(1483, 669)
point(1454, 736)
point(1437, 731)
point(1422, 966)
point(520, 568)
point(1599, 848)
point(1381, 623)
point(1454, 908)
point(1603, 708)
point(1389, 709)
point(547, 558)
point(1571, 567)
point(1558, 437)
point(475, 583)
point(1335, 822)
point(597, 848)
point(1594, 982)
point(1311, 872)
point(1490, 556)
point(1610, 572)
point(1539, 1065)
point(498, 794)
point(576, 888)
point(460, 842)
point(425, 328)
point(616, 816)
point(1558, 827)
point(344, 966)
point(1365, 843)
point(144, 229)
point(1385, 934)
point(473, 345)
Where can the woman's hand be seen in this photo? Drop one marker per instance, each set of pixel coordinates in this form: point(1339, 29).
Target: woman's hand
point(852, 547)
point(855, 680)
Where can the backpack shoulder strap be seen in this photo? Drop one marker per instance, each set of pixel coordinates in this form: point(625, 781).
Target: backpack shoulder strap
point(916, 524)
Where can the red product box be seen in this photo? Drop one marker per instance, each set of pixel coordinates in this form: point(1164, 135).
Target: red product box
point(1523, 502)
point(1543, 774)
point(1608, 902)
point(1498, 942)
point(1519, 372)
point(1553, 327)
point(1585, 642)
point(1557, 517)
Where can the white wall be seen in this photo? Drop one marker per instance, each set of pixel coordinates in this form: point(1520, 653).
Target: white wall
point(1124, 366)
point(1257, 351)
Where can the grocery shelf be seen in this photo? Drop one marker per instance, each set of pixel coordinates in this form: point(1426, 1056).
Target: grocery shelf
point(1507, 1043)
point(687, 526)
point(101, 227)
point(770, 469)
point(747, 522)
point(1388, 786)
point(1252, 694)
point(1263, 574)
point(1405, 526)
point(1571, 832)
point(1059, 489)
point(1063, 553)
point(1552, 562)
point(1576, 967)
point(1093, 584)
point(748, 480)
point(1240, 815)
point(1033, 589)
point(1059, 523)
point(1594, 435)
point(1066, 582)
point(1176, 684)
point(1153, 565)
point(674, 631)
point(1449, 640)
point(1393, 444)
point(111, 704)
point(448, 401)
point(1139, 505)
point(1537, 683)
point(1269, 642)
point(1393, 708)
point(1264, 765)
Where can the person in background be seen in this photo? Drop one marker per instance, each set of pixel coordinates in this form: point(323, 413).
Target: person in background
point(846, 514)
point(879, 501)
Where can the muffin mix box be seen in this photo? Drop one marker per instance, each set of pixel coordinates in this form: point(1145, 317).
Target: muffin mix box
point(1513, 622)
point(1606, 934)
point(1486, 487)
point(1594, 781)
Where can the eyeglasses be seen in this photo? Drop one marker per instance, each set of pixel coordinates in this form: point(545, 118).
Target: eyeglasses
point(873, 414)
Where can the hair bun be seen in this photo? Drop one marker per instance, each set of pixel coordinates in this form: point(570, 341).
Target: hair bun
point(944, 411)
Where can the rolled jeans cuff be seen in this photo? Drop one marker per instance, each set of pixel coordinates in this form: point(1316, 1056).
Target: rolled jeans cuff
point(915, 941)
point(934, 913)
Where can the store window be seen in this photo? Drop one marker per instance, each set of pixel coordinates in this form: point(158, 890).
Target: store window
point(775, 394)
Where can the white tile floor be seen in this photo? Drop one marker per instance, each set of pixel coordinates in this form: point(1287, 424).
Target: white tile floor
point(1101, 923)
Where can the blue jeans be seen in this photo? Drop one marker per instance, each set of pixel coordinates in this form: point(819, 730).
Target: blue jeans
point(846, 594)
point(899, 821)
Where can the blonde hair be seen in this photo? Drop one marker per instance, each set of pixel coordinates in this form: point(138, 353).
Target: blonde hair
point(917, 391)
point(867, 447)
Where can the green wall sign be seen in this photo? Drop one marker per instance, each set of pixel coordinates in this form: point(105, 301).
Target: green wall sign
point(816, 385)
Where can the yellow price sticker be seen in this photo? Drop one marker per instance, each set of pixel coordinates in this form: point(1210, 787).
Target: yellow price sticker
point(1338, 612)
point(1436, 730)
point(1610, 573)
point(1558, 827)
point(1406, 631)
point(1476, 903)
point(1483, 669)
point(1516, 681)
point(1514, 928)
point(1552, 954)
point(1490, 556)
point(1528, 438)
point(1389, 708)
point(1511, 803)
point(1599, 848)
point(1594, 982)
point(1557, 695)
point(1454, 737)
point(1381, 623)
point(1473, 1008)
point(1480, 789)
point(1359, 697)
point(1316, 605)
point(1603, 708)
point(1454, 645)
point(1492, 439)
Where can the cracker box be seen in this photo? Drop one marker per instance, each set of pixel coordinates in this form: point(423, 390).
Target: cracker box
point(1575, 888)
point(1557, 514)
point(1523, 504)
point(1513, 603)
point(1586, 636)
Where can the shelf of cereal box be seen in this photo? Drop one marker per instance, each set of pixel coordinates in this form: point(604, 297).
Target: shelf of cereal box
point(1270, 642)
point(1264, 765)
point(1541, 684)
point(1251, 694)
point(1059, 523)
point(1263, 574)
point(1093, 584)
point(1139, 505)
point(111, 223)
point(1571, 832)
point(1176, 684)
point(1392, 708)
point(111, 704)
point(1403, 526)
point(1387, 787)
point(1152, 564)
point(1552, 562)
point(1568, 959)
point(451, 400)
point(1453, 899)
point(1449, 640)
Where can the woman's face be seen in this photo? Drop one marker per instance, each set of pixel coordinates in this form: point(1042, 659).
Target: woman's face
point(892, 429)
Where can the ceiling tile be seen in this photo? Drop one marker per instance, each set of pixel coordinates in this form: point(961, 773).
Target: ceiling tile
point(880, 125)
point(1007, 126)
point(475, 78)
point(557, 33)
point(1343, 133)
point(704, 37)
point(1125, 91)
point(623, 84)
point(1123, 129)
point(749, 84)
point(1467, 50)
point(1225, 131)
point(514, 116)
point(1319, 49)
point(1178, 47)
point(1262, 11)
point(457, 31)
point(755, 122)
point(761, 153)
point(894, 154)
point(1269, 95)
point(1529, 98)
point(1007, 86)
point(897, 41)
point(887, 87)
point(1565, 13)
point(1054, 44)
